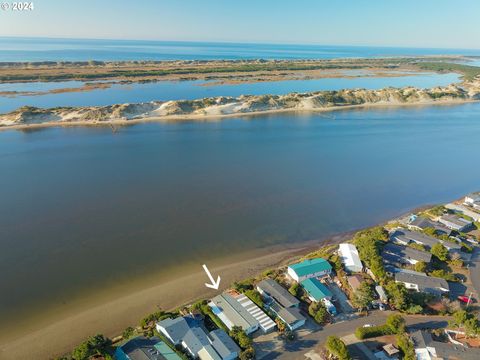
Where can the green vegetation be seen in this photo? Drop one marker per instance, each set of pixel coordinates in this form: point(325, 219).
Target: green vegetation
point(206, 310)
point(467, 320)
point(128, 332)
point(468, 72)
point(369, 244)
point(337, 348)
point(395, 324)
point(442, 273)
point(294, 289)
point(421, 266)
point(405, 345)
point(363, 297)
point(440, 252)
point(156, 316)
point(255, 296)
point(96, 345)
point(319, 312)
point(245, 343)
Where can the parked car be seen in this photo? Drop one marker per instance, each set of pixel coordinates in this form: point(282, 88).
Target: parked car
point(466, 299)
point(368, 325)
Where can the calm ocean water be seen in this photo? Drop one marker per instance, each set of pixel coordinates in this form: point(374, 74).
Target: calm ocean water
point(85, 208)
point(42, 49)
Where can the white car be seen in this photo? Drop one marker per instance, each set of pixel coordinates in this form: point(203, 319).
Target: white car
point(368, 325)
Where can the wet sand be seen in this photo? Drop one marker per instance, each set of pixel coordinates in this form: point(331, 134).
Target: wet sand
point(60, 333)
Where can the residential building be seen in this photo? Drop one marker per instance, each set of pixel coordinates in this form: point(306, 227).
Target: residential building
point(266, 324)
point(420, 223)
point(472, 198)
point(270, 289)
point(315, 289)
point(456, 222)
point(355, 281)
point(216, 345)
point(382, 295)
point(232, 313)
point(350, 258)
point(405, 254)
point(405, 237)
point(281, 302)
point(418, 281)
point(309, 269)
point(426, 348)
point(142, 348)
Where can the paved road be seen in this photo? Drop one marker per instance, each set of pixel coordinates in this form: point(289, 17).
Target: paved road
point(474, 267)
point(297, 349)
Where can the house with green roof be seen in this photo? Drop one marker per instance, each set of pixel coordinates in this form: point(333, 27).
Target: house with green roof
point(316, 290)
point(310, 268)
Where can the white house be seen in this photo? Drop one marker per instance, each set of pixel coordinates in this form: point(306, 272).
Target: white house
point(350, 258)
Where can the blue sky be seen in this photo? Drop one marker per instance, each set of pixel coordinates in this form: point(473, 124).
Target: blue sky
point(419, 23)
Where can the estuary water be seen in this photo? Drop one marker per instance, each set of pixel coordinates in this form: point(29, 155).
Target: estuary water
point(84, 209)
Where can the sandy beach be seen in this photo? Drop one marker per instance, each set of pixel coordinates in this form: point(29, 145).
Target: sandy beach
point(60, 333)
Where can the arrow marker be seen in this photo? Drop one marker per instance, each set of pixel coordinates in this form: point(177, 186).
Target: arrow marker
point(213, 284)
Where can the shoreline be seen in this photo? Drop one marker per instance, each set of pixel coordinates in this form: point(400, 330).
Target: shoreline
point(218, 117)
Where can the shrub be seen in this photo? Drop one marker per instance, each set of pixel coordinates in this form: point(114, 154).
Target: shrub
point(337, 348)
point(373, 331)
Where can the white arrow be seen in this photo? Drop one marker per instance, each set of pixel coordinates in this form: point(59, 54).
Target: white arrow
point(214, 284)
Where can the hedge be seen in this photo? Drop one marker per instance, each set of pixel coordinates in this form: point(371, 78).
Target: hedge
point(373, 331)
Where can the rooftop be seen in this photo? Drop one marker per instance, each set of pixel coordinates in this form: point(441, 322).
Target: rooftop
point(142, 348)
point(176, 328)
point(354, 281)
point(423, 339)
point(407, 252)
point(223, 344)
point(233, 311)
point(278, 292)
point(455, 219)
point(424, 282)
point(349, 254)
point(311, 266)
point(316, 289)
point(289, 315)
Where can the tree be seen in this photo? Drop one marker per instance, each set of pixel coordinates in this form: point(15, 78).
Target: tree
point(363, 297)
point(398, 295)
point(406, 347)
point(94, 345)
point(255, 296)
point(337, 347)
point(421, 266)
point(319, 312)
point(396, 323)
point(294, 288)
point(247, 354)
point(440, 251)
point(128, 332)
point(242, 339)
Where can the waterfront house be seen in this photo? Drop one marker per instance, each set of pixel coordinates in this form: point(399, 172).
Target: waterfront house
point(456, 222)
point(216, 345)
point(142, 348)
point(420, 223)
point(316, 291)
point(349, 256)
point(281, 303)
point(420, 282)
point(310, 268)
point(232, 313)
point(405, 237)
point(472, 198)
point(405, 254)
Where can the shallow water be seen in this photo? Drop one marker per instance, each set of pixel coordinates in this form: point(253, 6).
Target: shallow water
point(83, 209)
point(175, 90)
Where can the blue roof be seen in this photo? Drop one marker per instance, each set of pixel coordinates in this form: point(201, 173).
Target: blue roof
point(316, 289)
point(311, 266)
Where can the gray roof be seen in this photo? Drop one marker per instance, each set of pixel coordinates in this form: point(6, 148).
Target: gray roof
point(425, 283)
point(234, 311)
point(407, 236)
point(455, 219)
point(142, 348)
point(223, 344)
point(278, 292)
point(176, 328)
point(288, 315)
point(195, 339)
point(424, 223)
point(423, 339)
point(406, 252)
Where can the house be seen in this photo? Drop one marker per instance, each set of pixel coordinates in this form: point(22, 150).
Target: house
point(266, 324)
point(309, 269)
point(355, 281)
point(472, 198)
point(420, 223)
point(382, 295)
point(405, 237)
point(282, 303)
point(456, 222)
point(391, 350)
point(316, 290)
point(405, 254)
point(232, 313)
point(290, 316)
point(216, 345)
point(426, 348)
point(420, 282)
point(270, 289)
point(142, 348)
point(350, 258)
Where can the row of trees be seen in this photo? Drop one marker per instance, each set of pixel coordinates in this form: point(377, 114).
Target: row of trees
point(369, 244)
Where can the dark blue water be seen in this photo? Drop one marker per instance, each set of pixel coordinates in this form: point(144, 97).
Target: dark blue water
point(42, 49)
point(84, 208)
point(176, 90)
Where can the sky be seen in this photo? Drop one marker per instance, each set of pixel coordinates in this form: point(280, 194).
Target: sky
point(409, 23)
